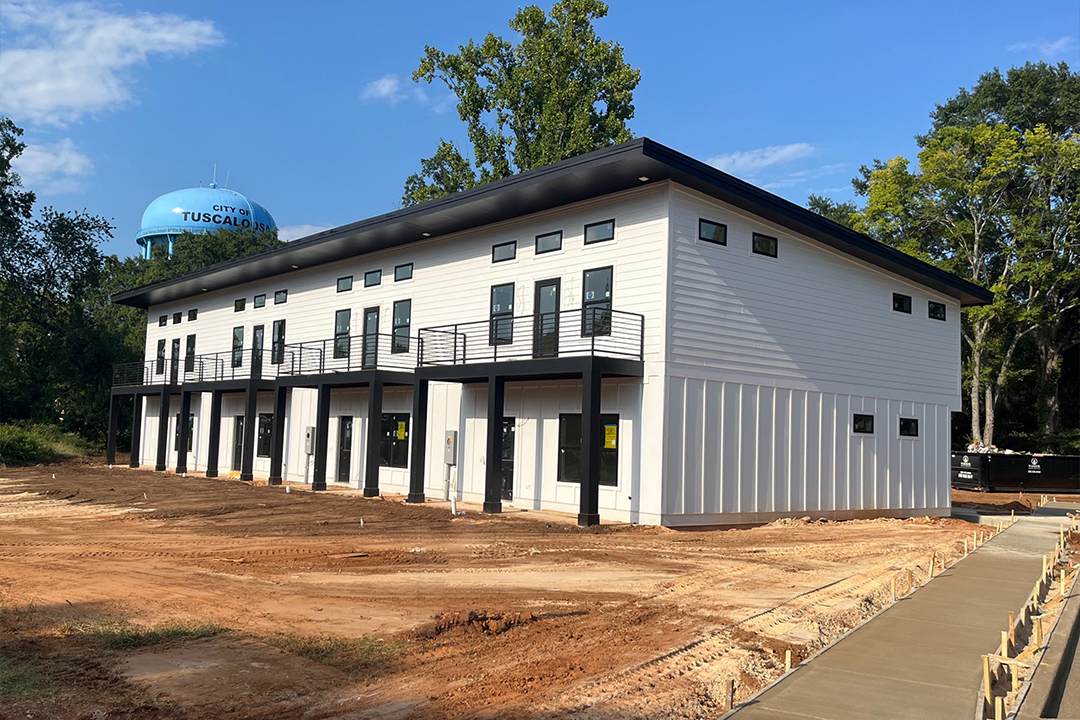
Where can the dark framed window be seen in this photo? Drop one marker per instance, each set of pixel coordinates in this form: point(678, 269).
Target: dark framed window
point(549, 242)
point(403, 272)
point(159, 363)
point(277, 343)
point(190, 431)
point(402, 324)
point(189, 354)
point(177, 317)
point(238, 306)
point(259, 300)
point(901, 303)
point(501, 331)
point(372, 278)
point(862, 424)
point(342, 322)
point(765, 245)
point(238, 346)
point(394, 441)
point(596, 302)
point(193, 314)
point(570, 448)
point(281, 297)
point(909, 427)
point(344, 284)
point(163, 320)
point(600, 231)
point(710, 231)
point(266, 427)
point(504, 251)
point(936, 310)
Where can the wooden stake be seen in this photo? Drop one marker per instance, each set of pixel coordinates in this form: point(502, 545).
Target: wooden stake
point(931, 563)
point(893, 587)
point(988, 691)
point(1038, 631)
point(1005, 643)
point(1012, 628)
point(731, 695)
point(787, 659)
point(1061, 584)
point(965, 548)
point(999, 708)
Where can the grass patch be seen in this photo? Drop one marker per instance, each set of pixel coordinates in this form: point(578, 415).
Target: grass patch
point(21, 681)
point(366, 655)
point(117, 634)
point(25, 444)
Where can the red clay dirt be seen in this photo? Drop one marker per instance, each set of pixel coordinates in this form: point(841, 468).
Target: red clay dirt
point(521, 615)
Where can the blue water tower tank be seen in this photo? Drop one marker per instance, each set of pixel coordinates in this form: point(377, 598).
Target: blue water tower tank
point(198, 210)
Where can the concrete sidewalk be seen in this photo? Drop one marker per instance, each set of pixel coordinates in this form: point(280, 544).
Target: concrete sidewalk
point(921, 658)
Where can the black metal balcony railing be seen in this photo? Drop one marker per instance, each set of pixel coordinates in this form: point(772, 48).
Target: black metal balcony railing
point(229, 365)
point(568, 333)
point(349, 353)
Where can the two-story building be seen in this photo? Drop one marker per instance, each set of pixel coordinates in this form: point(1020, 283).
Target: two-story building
point(630, 333)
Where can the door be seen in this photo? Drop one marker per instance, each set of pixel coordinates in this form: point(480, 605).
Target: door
point(509, 425)
point(175, 360)
point(370, 353)
point(257, 334)
point(238, 442)
point(546, 319)
point(344, 455)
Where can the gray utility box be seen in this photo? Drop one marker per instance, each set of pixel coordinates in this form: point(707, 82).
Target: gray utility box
point(450, 447)
point(309, 440)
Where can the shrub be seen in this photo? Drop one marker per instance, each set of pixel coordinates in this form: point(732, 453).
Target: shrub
point(27, 444)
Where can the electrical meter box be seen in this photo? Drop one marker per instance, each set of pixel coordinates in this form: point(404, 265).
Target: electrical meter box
point(450, 448)
point(309, 440)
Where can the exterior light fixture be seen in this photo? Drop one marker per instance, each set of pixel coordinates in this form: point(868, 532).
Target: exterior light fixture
point(426, 234)
point(295, 267)
point(643, 179)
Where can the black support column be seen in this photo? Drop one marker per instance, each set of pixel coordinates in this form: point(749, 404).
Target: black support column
point(589, 513)
point(251, 407)
point(493, 469)
point(322, 438)
point(136, 431)
point(418, 456)
point(215, 435)
point(277, 436)
point(114, 420)
point(163, 431)
point(183, 432)
point(374, 431)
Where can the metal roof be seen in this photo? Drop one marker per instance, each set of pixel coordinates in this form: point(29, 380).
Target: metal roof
point(609, 170)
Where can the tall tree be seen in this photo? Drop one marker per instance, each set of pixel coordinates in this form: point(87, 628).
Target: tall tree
point(559, 92)
point(844, 213)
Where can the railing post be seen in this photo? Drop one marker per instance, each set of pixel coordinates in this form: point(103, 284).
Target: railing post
point(641, 337)
point(592, 335)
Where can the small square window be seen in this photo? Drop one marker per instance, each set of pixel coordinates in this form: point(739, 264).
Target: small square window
point(765, 245)
point(504, 251)
point(909, 427)
point(599, 232)
point(403, 272)
point(177, 317)
point(238, 306)
point(713, 232)
point(549, 242)
point(936, 310)
point(163, 320)
point(901, 303)
point(863, 424)
point(259, 301)
point(372, 278)
point(280, 297)
point(344, 284)
point(192, 314)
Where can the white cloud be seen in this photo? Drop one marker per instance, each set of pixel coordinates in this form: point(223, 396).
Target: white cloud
point(63, 61)
point(295, 232)
point(799, 177)
point(748, 162)
point(1048, 49)
point(391, 90)
point(53, 169)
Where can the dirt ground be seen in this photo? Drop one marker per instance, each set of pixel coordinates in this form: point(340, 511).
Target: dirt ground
point(1003, 503)
point(127, 594)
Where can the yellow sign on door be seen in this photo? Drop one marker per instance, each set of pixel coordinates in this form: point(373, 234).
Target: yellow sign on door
point(401, 431)
point(611, 437)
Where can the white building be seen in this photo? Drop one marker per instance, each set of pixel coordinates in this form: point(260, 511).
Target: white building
point(630, 333)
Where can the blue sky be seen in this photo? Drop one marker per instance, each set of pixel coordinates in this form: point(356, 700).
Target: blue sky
point(310, 110)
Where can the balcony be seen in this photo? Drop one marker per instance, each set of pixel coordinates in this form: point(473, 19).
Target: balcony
point(215, 367)
point(350, 353)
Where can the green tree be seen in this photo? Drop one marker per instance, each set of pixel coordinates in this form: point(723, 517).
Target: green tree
point(844, 213)
point(559, 92)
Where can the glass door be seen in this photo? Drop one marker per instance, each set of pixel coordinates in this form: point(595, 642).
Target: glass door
point(257, 334)
point(507, 468)
point(370, 353)
point(238, 442)
point(173, 371)
point(344, 462)
point(546, 319)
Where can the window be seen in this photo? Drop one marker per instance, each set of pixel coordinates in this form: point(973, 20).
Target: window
point(549, 242)
point(163, 320)
point(189, 354)
point(596, 305)
point(599, 232)
point(394, 442)
point(237, 346)
point(277, 343)
point(344, 284)
point(159, 364)
point(342, 321)
point(402, 323)
point(177, 317)
point(504, 251)
point(901, 303)
point(238, 306)
point(570, 449)
point(372, 278)
point(936, 310)
point(281, 297)
point(403, 272)
point(713, 232)
point(862, 424)
point(266, 427)
point(909, 427)
point(190, 431)
point(501, 331)
point(764, 245)
point(193, 314)
point(259, 301)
